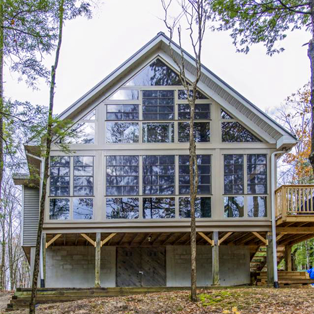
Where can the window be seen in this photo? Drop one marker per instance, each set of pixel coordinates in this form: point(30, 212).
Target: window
point(83, 208)
point(158, 133)
point(201, 131)
point(158, 105)
point(235, 132)
point(234, 174)
point(257, 174)
point(202, 207)
point(234, 206)
point(122, 112)
point(59, 176)
point(257, 206)
point(59, 209)
point(158, 207)
point(202, 111)
point(158, 175)
point(122, 175)
point(125, 94)
point(183, 95)
point(204, 171)
point(225, 116)
point(83, 179)
point(124, 208)
point(122, 132)
point(156, 74)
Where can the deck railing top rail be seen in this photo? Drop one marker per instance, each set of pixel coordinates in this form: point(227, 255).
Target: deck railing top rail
point(292, 200)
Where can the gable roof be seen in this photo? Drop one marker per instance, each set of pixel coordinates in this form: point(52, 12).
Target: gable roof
point(209, 83)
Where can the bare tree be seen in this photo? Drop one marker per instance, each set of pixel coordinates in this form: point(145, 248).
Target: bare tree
point(194, 13)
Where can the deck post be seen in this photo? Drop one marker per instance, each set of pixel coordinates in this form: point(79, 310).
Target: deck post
point(42, 261)
point(288, 260)
point(215, 259)
point(270, 261)
point(97, 259)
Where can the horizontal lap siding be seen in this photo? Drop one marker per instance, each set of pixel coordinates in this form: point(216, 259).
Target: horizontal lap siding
point(30, 219)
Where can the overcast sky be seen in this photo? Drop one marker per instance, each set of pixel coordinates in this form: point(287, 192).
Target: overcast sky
point(93, 48)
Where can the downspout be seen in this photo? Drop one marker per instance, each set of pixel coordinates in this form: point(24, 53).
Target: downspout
point(273, 214)
point(41, 262)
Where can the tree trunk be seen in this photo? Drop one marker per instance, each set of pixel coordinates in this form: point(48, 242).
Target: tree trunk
point(46, 162)
point(311, 57)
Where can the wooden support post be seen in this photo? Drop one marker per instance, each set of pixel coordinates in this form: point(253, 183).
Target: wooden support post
point(97, 259)
point(270, 261)
point(288, 260)
point(215, 259)
point(42, 260)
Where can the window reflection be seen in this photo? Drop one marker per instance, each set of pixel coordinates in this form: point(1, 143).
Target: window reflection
point(257, 174)
point(234, 206)
point(235, 132)
point(158, 132)
point(182, 94)
point(157, 207)
point(156, 74)
point(125, 94)
point(59, 176)
point(257, 206)
point(83, 179)
point(233, 174)
point(224, 115)
point(122, 132)
point(83, 208)
point(81, 133)
point(202, 111)
point(201, 132)
point(122, 112)
point(124, 208)
point(59, 209)
point(202, 207)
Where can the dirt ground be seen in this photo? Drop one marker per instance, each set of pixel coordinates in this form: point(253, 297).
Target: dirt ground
point(224, 301)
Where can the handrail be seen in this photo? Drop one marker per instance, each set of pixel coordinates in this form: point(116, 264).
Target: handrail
point(296, 199)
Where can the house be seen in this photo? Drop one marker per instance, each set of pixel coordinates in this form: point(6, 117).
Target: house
point(117, 209)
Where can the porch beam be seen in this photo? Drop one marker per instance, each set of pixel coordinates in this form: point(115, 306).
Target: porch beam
point(57, 236)
point(224, 237)
point(92, 242)
point(279, 236)
point(211, 242)
point(265, 241)
point(97, 259)
point(110, 236)
point(296, 230)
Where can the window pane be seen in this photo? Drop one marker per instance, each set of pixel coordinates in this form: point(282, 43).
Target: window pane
point(122, 132)
point(202, 111)
point(81, 133)
point(235, 132)
point(91, 115)
point(158, 105)
point(204, 173)
point(122, 112)
point(125, 94)
point(83, 208)
point(225, 115)
point(201, 131)
point(202, 207)
point(257, 206)
point(83, 180)
point(59, 176)
point(234, 206)
point(233, 174)
point(158, 175)
point(124, 208)
point(154, 208)
point(122, 175)
point(257, 174)
point(59, 209)
point(156, 74)
point(158, 132)
point(183, 95)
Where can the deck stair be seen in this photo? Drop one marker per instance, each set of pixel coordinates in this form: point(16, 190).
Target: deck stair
point(286, 278)
point(258, 262)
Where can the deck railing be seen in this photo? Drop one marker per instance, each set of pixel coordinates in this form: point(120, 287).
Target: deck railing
point(292, 200)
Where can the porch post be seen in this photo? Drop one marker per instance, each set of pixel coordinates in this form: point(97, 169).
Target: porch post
point(42, 261)
point(288, 260)
point(97, 259)
point(215, 259)
point(270, 261)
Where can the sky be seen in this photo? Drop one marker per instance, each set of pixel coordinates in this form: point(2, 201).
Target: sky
point(93, 48)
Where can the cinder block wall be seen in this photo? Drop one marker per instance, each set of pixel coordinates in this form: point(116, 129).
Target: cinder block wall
point(234, 265)
point(74, 266)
